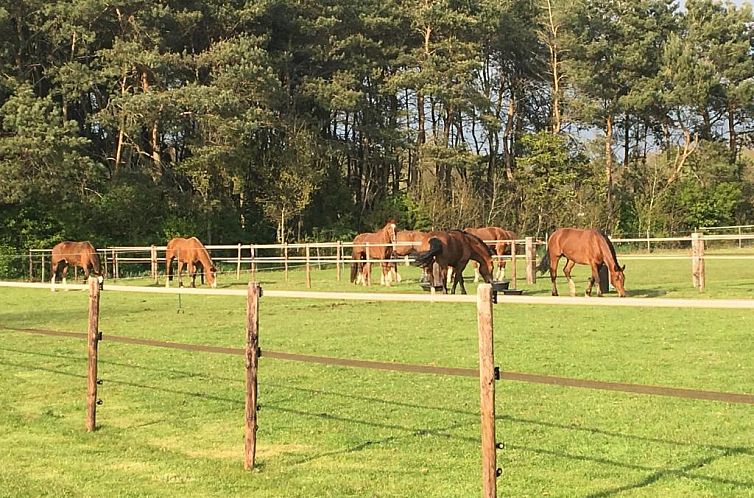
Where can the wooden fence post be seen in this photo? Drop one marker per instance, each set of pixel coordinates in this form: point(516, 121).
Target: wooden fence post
point(252, 363)
point(238, 263)
point(338, 252)
point(487, 389)
point(31, 267)
point(153, 260)
point(697, 261)
point(285, 259)
point(513, 265)
point(319, 261)
point(93, 338)
point(531, 261)
point(43, 267)
point(115, 265)
point(308, 269)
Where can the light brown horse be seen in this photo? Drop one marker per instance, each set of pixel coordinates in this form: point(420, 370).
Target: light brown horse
point(190, 252)
point(381, 245)
point(585, 247)
point(407, 242)
point(500, 247)
point(81, 254)
point(454, 248)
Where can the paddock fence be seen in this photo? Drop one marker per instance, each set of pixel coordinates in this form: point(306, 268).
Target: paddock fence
point(487, 372)
point(249, 259)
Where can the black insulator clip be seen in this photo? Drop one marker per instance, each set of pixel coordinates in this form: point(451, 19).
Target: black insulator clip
point(98, 336)
point(500, 446)
point(497, 373)
point(99, 401)
point(260, 291)
point(494, 297)
point(99, 382)
point(259, 407)
point(259, 352)
point(498, 472)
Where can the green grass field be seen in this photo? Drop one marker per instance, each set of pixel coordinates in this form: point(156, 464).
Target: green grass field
point(172, 421)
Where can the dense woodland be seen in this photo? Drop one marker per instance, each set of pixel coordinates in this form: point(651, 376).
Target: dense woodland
point(128, 122)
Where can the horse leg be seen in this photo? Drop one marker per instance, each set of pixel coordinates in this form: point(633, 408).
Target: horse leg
point(475, 265)
point(54, 271)
point(384, 273)
point(191, 268)
point(567, 271)
point(180, 273)
point(594, 278)
point(63, 274)
point(554, 273)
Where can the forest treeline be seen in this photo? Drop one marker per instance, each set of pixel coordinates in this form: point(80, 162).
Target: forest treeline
point(128, 122)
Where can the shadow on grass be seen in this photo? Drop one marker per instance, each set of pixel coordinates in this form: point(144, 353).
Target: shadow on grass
point(654, 476)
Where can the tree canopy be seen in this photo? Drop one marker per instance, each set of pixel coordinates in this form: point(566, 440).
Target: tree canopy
point(129, 122)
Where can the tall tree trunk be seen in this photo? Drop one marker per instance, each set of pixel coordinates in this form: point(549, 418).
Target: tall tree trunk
point(609, 166)
point(552, 45)
point(732, 134)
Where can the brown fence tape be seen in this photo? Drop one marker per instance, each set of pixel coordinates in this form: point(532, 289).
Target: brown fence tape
point(674, 392)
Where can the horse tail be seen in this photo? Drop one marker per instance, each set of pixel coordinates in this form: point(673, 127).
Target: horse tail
point(169, 263)
point(544, 265)
point(96, 266)
point(425, 258)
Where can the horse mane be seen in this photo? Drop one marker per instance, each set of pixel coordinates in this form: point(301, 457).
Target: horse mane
point(610, 246)
point(203, 251)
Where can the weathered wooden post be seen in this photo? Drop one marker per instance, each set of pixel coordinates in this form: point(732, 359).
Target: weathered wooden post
point(308, 269)
point(697, 261)
point(31, 267)
point(252, 363)
point(285, 259)
point(238, 263)
point(43, 267)
point(153, 261)
point(531, 261)
point(487, 379)
point(338, 253)
point(93, 338)
point(116, 270)
point(513, 265)
point(319, 261)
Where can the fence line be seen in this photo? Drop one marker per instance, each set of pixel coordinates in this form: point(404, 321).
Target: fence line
point(433, 298)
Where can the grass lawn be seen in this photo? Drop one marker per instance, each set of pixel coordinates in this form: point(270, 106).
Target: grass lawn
point(172, 421)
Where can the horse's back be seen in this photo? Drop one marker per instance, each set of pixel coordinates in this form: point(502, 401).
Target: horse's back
point(578, 244)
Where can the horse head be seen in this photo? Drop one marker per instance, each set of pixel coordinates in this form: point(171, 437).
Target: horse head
point(618, 278)
point(390, 230)
point(212, 276)
point(482, 254)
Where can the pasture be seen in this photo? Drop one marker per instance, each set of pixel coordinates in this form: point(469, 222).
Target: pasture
point(172, 421)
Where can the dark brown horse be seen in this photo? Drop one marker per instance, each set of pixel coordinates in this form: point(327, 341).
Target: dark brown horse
point(454, 248)
point(192, 253)
point(372, 245)
point(585, 247)
point(81, 254)
point(500, 247)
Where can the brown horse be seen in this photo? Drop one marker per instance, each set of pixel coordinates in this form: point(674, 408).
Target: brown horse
point(81, 254)
point(585, 247)
point(454, 248)
point(192, 253)
point(407, 242)
point(381, 245)
point(500, 235)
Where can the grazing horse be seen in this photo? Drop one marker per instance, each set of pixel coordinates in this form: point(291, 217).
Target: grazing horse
point(192, 253)
point(500, 247)
point(380, 245)
point(81, 254)
point(455, 248)
point(585, 247)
